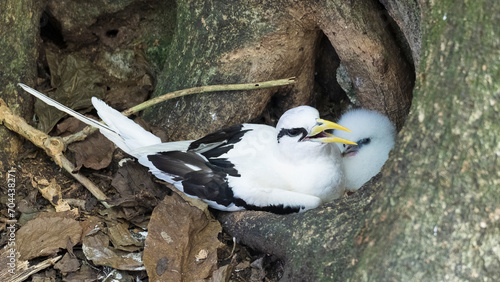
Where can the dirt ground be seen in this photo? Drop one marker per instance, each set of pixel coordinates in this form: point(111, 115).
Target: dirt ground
point(35, 171)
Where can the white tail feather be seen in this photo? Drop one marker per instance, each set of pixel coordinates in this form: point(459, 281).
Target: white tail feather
point(131, 135)
point(67, 110)
point(162, 147)
point(125, 133)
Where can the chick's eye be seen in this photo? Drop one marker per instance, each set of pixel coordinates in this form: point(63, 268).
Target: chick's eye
point(364, 141)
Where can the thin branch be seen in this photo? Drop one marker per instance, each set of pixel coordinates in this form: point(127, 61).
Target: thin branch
point(81, 135)
point(93, 189)
point(207, 89)
point(53, 146)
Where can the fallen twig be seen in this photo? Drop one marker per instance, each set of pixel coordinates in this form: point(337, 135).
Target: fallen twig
point(207, 89)
point(34, 269)
point(53, 146)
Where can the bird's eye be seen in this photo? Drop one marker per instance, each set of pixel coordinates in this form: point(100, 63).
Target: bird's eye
point(294, 132)
point(364, 141)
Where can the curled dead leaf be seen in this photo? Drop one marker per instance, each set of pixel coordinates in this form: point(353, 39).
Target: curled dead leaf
point(122, 239)
point(95, 152)
point(182, 242)
point(203, 254)
point(52, 192)
point(46, 236)
point(75, 80)
point(97, 248)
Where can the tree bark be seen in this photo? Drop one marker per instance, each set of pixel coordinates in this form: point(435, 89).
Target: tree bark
point(315, 245)
point(407, 16)
point(231, 42)
point(434, 214)
point(244, 41)
point(19, 23)
point(438, 215)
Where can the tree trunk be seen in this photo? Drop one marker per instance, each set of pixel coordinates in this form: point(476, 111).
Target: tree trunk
point(19, 22)
point(245, 41)
point(438, 214)
point(434, 214)
point(221, 42)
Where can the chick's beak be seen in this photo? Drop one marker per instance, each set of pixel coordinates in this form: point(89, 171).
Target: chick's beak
point(318, 132)
point(350, 150)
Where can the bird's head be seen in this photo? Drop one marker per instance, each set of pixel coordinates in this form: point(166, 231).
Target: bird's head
point(301, 127)
point(370, 130)
point(374, 134)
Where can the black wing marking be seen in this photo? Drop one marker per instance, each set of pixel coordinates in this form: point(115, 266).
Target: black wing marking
point(227, 136)
point(176, 163)
point(277, 209)
point(208, 182)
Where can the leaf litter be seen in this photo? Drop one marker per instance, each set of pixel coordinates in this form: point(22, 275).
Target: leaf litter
point(182, 237)
point(75, 80)
point(177, 241)
point(182, 241)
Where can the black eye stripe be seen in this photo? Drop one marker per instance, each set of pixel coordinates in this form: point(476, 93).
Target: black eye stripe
point(292, 132)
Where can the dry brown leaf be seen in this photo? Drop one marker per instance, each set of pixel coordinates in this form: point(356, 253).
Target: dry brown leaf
point(222, 274)
point(68, 264)
point(178, 233)
point(86, 273)
point(122, 239)
point(75, 80)
point(45, 236)
point(135, 187)
point(91, 225)
point(69, 126)
point(258, 271)
point(95, 152)
point(96, 248)
point(124, 95)
point(52, 192)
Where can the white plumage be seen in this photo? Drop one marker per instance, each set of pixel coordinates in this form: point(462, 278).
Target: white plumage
point(290, 168)
point(374, 135)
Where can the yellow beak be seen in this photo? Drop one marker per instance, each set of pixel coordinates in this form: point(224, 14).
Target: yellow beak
point(318, 132)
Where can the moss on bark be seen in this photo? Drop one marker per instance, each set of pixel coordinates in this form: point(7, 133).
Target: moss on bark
point(18, 37)
point(434, 214)
point(438, 217)
point(230, 42)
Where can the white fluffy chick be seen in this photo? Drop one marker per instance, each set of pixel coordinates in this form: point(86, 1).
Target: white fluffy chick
point(374, 133)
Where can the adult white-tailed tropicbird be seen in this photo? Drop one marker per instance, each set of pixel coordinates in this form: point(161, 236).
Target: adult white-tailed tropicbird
point(374, 134)
point(290, 168)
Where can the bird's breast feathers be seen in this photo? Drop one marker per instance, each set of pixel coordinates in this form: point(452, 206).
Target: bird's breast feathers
point(263, 164)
